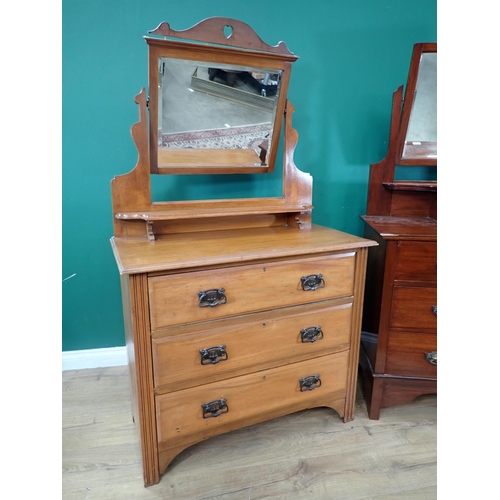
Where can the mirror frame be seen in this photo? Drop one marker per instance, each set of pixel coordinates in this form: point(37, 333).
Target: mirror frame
point(418, 155)
point(208, 42)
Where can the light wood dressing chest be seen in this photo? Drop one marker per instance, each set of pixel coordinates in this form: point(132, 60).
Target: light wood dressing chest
point(236, 311)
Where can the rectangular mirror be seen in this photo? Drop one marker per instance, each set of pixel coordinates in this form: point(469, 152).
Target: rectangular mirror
point(417, 141)
point(213, 108)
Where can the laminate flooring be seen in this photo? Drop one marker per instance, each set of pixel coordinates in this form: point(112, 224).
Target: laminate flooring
point(310, 455)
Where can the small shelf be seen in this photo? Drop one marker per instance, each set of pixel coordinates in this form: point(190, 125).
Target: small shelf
point(188, 213)
point(428, 186)
point(203, 213)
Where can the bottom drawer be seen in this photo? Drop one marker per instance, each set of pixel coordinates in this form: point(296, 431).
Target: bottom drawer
point(406, 354)
point(196, 413)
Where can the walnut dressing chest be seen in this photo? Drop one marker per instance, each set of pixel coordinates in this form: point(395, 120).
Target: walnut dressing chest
point(398, 358)
point(236, 311)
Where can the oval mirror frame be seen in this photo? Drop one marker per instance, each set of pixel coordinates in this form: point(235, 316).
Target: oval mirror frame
point(222, 48)
point(417, 137)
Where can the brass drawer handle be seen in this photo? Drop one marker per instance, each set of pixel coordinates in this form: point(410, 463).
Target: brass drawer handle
point(309, 383)
point(212, 298)
point(432, 357)
point(312, 282)
point(214, 408)
point(311, 334)
point(212, 355)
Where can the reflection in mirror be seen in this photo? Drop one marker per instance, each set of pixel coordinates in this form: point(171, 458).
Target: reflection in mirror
point(422, 126)
point(216, 106)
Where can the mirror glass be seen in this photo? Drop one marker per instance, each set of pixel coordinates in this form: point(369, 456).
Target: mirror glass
point(421, 135)
point(216, 106)
point(203, 106)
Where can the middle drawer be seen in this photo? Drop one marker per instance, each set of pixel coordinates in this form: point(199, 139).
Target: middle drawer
point(199, 296)
point(414, 308)
point(185, 356)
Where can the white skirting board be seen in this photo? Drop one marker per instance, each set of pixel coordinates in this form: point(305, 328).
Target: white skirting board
point(94, 358)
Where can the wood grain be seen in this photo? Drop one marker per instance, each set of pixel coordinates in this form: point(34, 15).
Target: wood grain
point(412, 307)
point(174, 298)
point(352, 372)
point(423, 256)
point(141, 375)
point(178, 251)
point(251, 342)
point(303, 456)
point(250, 399)
point(406, 354)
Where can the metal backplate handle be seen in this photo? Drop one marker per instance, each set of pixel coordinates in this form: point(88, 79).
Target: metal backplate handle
point(432, 357)
point(312, 282)
point(309, 383)
point(311, 334)
point(212, 298)
point(212, 355)
point(214, 408)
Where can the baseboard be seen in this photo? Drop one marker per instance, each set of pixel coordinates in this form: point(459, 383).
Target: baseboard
point(94, 358)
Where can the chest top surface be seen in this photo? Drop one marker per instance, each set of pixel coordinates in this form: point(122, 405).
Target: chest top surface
point(186, 250)
point(400, 228)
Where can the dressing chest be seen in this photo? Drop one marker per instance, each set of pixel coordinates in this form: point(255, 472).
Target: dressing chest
point(398, 358)
point(236, 311)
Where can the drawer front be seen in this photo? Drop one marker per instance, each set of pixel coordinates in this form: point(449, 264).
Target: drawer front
point(175, 299)
point(258, 341)
point(412, 307)
point(250, 398)
point(416, 261)
point(406, 354)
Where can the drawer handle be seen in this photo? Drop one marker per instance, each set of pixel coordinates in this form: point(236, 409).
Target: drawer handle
point(211, 298)
point(435, 310)
point(309, 383)
point(311, 334)
point(312, 282)
point(214, 408)
point(212, 355)
point(432, 357)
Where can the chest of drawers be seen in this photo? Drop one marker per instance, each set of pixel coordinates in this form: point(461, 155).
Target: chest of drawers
point(399, 340)
point(236, 309)
point(398, 358)
point(266, 325)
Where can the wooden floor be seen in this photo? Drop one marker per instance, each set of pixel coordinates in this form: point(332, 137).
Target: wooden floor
point(311, 455)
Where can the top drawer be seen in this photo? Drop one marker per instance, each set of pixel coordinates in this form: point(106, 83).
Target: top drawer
point(182, 298)
point(416, 260)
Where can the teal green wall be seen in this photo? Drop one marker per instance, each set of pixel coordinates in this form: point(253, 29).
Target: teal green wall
point(353, 55)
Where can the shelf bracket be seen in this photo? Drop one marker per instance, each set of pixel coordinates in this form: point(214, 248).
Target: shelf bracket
point(149, 230)
point(293, 220)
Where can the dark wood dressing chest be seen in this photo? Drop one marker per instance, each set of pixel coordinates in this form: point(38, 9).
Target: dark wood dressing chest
point(398, 359)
